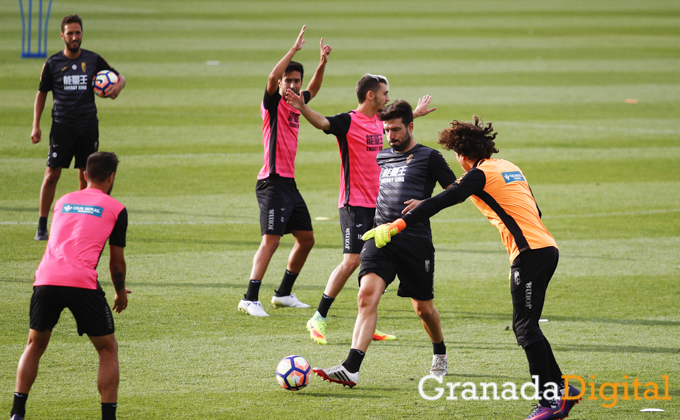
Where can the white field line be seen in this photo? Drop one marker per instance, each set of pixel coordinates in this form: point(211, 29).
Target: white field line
point(479, 219)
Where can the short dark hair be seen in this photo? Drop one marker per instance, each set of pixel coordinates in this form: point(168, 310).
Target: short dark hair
point(71, 19)
point(100, 165)
point(399, 109)
point(295, 66)
point(473, 140)
point(369, 82)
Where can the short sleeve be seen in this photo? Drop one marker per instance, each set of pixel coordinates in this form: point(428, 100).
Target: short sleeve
point(271, 102)
point(306, 96)
point(46, 82)
point(117, 237)
point(102, 64)
point(440, 169)
point(339, 124)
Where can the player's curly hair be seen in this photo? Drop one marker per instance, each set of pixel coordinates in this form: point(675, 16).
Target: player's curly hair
point(473, 140)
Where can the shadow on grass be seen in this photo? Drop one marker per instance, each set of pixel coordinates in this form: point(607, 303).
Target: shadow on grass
point(601, 348)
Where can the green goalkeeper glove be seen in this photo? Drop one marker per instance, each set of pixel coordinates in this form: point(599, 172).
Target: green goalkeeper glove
point(383, 233)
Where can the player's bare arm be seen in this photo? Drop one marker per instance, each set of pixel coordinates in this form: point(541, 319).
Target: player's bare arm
point(421, 108)
point(114, 90)
point(38, 108)
point(314, 118)
point(118, 270)
point(315, 84)
point(277, 73)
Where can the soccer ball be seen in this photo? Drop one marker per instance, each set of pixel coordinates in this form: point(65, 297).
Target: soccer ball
point(103, 80)
point(293, 372)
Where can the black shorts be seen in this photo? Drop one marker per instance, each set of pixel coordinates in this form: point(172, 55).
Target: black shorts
point(89, 308)
point(282, 208)
point(354, 222)
point(66, 142)
point(412, 261)
point(530, 274)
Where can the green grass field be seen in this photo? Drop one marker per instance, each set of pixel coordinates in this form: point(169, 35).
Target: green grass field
point(553, 76)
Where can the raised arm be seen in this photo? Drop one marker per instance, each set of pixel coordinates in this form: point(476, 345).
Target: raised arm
point(315, 84)
point(38, 108)
point(277, 73)
point(421, 108)
point(314, 118)
point(118, 270)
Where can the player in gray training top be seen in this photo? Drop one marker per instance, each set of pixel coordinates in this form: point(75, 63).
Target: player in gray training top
point(69, 74)
point(408, 171)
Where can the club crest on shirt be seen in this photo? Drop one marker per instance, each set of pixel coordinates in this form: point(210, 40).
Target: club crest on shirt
point(408, 159)
point(84, 66)
point(64, 68)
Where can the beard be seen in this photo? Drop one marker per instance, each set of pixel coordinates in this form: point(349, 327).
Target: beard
point(73, 49)
point(404, 143)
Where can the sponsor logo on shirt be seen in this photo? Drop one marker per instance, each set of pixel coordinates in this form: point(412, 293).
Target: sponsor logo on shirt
point(81, 209)
point(395, 174)
point(75, 82)
point(374, 142)
point(294, 119)
point(512, 176)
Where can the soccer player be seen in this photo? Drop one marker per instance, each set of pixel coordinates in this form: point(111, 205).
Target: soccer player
point(69, 74)
point(67, 278)
point(408, 171)
point(360, 138)
point(501, 192)
point(282, 208)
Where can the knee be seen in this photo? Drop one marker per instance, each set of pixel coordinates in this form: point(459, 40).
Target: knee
point(352, 262)
point(367, 299)
point(307, 242)
point(270, 242)
point(51, 178)
point(426, 312)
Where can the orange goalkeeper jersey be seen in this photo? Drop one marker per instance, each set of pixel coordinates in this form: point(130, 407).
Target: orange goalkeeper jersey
point(500, 191)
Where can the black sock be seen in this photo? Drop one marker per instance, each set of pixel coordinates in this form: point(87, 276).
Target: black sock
point(325, 305)
point(253, 290)
point(42, 223)
point(353, 361)
point(109, 411)
point(537, 355)
point(555, 371)
point(439, 348)
point(19, 406)
point(286, 284)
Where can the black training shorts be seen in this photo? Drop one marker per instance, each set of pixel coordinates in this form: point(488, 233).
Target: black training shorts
point(67, 142)
point(354, 222)
point(412, 261)
point(282, 208)
point(89, 308)
point(530, 274)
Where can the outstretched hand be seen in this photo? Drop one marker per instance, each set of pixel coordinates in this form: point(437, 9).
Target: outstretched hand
point(421, 108)
point(325, 52)
point(295, 100)
point(382, 234)
point(299, 42)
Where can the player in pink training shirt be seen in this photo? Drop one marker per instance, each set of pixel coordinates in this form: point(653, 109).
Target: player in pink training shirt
point(282, 208)
point(67, 278)
point(360, 139)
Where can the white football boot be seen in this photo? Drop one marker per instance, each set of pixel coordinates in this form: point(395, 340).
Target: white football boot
point(439, 365)
point(338, 374)
point(290, 301)
point(252, 307)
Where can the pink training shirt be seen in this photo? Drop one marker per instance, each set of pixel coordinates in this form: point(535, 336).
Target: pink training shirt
point(81, 224)
point(280, 128)
point(360, 139)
